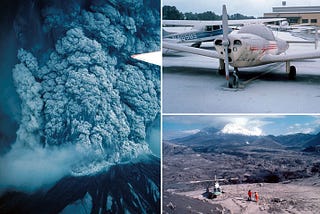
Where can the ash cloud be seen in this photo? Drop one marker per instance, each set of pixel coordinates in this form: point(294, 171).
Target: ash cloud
point(29, 169)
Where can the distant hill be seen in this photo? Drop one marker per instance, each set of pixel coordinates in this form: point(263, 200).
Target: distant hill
point(174, 149)
point(313, 145)
point(293, 140)
point(314, 141)
point(212, 139)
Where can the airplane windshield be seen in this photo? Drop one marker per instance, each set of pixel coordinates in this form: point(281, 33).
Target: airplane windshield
point(212, 27)
point(259, 30)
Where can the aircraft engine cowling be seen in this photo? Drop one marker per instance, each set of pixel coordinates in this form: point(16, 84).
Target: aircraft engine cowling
point(235, 47)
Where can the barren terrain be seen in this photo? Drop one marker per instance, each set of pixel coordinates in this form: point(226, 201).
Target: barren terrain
point(286, 178)
point(298, 196)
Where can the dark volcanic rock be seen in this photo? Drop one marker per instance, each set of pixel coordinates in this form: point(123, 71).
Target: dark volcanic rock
point(315, 149)
point(174, 149)
point(294, 140)
point(133, 187)
point(314, 142)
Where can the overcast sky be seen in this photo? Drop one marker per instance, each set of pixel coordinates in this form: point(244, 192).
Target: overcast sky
point(179, 126)
point(246, 7)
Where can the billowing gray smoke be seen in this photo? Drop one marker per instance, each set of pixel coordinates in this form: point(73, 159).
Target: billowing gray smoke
point(81, 91)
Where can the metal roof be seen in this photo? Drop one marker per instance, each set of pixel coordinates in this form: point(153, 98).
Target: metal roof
point(298, 9)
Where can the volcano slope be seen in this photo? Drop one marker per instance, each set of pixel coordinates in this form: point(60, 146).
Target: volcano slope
point(123, 188)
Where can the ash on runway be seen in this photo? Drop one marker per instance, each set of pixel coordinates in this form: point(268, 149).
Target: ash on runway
point(191, 84)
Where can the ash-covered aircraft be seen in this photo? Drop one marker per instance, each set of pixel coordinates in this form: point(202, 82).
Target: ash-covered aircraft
point(253, 45)
point(204, 31)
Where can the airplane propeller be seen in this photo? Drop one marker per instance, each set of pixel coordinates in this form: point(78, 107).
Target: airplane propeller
point(225, 42)
point(316, 38)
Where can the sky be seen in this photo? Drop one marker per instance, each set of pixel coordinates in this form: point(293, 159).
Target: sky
point(183, 125)
point(254, 8)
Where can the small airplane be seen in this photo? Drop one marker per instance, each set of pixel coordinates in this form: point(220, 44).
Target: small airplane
point(285, 26)
point(205, 31)
point(252, 45)
point(195, 37)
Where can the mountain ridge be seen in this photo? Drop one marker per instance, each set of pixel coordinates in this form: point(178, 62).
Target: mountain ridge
point(211, 136)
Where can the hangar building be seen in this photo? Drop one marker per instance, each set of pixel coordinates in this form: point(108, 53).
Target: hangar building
point(307, 15)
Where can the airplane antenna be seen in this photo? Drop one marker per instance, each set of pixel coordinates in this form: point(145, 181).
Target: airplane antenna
point(225, 41)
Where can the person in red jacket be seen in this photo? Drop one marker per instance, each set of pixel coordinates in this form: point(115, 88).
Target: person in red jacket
point(249, 195)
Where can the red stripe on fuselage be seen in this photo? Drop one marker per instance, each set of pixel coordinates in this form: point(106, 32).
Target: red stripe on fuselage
point(270, 47)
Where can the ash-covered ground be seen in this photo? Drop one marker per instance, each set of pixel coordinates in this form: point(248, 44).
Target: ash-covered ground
point(280, 169)
point(192, 84)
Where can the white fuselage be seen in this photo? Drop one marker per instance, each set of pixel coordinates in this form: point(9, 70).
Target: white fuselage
point(246, 49)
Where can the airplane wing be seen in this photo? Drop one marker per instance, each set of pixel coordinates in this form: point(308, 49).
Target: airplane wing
point(151, 57)
point(254, 21)
point(289, 57)
point(218, 22)
point(190, 23)
point(198, 51)
point(265, 59)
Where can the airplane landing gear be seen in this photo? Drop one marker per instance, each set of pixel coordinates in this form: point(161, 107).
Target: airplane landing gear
point(292, 73)
point(222, 68)
point(234, 83)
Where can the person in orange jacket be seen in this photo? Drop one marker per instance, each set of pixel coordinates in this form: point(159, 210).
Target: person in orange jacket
point(256, 196)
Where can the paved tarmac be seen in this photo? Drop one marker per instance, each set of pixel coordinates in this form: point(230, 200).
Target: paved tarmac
point(191, 84)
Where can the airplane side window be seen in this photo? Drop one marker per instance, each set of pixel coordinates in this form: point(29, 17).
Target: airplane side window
point(216, 27)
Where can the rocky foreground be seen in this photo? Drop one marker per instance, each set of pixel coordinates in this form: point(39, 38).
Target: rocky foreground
point(298, 196)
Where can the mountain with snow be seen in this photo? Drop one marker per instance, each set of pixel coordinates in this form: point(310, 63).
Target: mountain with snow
point(233, 128)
